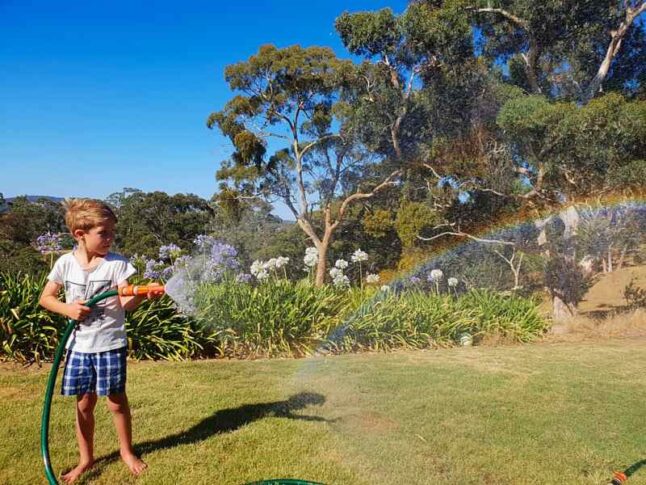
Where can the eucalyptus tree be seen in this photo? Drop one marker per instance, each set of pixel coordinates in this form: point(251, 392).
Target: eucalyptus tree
point(294, 101)
point(421, 87)
point(568, 151)
point(405, 57)
point(564, 48)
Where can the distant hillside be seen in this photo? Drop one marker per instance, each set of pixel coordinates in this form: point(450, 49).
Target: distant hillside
point(4, 207)
point(34, 198)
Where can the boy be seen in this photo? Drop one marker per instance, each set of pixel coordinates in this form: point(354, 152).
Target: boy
point(96, 352)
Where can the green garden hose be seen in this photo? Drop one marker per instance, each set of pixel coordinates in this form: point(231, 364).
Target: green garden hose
point(51, 383)
point(44, 423)
point(284, 481)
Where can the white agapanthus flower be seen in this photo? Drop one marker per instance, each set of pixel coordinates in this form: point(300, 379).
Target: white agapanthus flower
point(311, 257)
point(271, 264)
point(256, 267)
point(262, 275)
point(359, 256)
point(336, 272)
point(372, 278)
point(453, 282)
point(341, 280)
point(281, 261)
point(385, 288)
point(437, 275)
point(341, 263)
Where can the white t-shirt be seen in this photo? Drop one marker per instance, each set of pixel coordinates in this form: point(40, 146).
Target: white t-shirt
point(104, 328)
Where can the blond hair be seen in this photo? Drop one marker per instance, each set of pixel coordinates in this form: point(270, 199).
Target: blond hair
point(87, 213)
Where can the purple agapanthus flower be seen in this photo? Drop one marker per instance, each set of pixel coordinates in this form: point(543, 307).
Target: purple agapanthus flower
point(182, 261)
point(152, 269)
point(48, 242)
point(170, 251)
point(243, 278)
point(414, 280)
point(204, 242)
point(167, 272)
point(224, 256)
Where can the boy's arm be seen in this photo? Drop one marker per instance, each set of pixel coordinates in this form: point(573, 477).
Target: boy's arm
point(49, 300)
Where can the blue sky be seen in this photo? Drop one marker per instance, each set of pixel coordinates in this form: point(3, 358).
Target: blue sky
point(96, 96)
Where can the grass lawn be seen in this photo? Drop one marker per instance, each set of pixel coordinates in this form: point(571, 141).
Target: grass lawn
point(542, 413)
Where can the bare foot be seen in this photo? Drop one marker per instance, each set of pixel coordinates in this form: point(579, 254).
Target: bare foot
point(135, 464)
point(74, 473)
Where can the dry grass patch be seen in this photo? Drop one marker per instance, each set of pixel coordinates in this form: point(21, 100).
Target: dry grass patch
point(630, 324)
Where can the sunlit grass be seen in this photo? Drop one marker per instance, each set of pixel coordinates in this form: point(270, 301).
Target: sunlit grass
point(539, 413)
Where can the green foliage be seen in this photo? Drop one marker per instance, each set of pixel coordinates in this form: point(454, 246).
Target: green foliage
point(420, 320)
point(412, 217)
point(273, 319)
point(157, 331)
point(378, 223)
point(557, 49)
point(149, 220)
point(28, 333)
point(276, 318)
point(632, 174)
point(21, 222)
point(513, 317)
point(25, 220)
point(573, 149)
point(18, 258)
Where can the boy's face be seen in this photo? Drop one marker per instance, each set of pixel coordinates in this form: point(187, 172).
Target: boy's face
point(98, 239)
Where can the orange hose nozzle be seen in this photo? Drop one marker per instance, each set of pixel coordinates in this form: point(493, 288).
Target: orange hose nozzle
point(619, 478)
point(141, 290)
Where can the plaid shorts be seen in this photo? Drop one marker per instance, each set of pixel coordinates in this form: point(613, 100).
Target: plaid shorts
point(102, 373)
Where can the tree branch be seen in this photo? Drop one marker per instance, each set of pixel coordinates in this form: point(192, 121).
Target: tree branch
point(464, 234)
point(616, 38)
point(533, 53)
point(359, 196)
point(508, 15)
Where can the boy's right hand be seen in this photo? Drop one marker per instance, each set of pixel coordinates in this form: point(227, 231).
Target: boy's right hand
point(77, 310)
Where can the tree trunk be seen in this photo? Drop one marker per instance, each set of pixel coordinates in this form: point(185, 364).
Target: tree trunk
point(560, 310)
point(620, 264)
point(322, 264)
point(516, 277)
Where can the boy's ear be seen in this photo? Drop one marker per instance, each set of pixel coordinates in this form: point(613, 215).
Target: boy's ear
point(78, 233)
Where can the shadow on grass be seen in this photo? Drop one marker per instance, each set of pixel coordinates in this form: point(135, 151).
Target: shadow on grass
point(223, 421)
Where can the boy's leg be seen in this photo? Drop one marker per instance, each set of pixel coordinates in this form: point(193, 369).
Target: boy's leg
point(118, 406)
point(111, 382)
point(79, 379)
point(85, 404)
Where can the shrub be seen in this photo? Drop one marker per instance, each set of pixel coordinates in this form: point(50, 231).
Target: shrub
point(271, 319)
point(417, 320)
point(634, 295)
point(28, 332)
point(157, 331)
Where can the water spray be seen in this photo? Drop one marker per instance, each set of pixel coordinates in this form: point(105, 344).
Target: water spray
point(131, 290)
